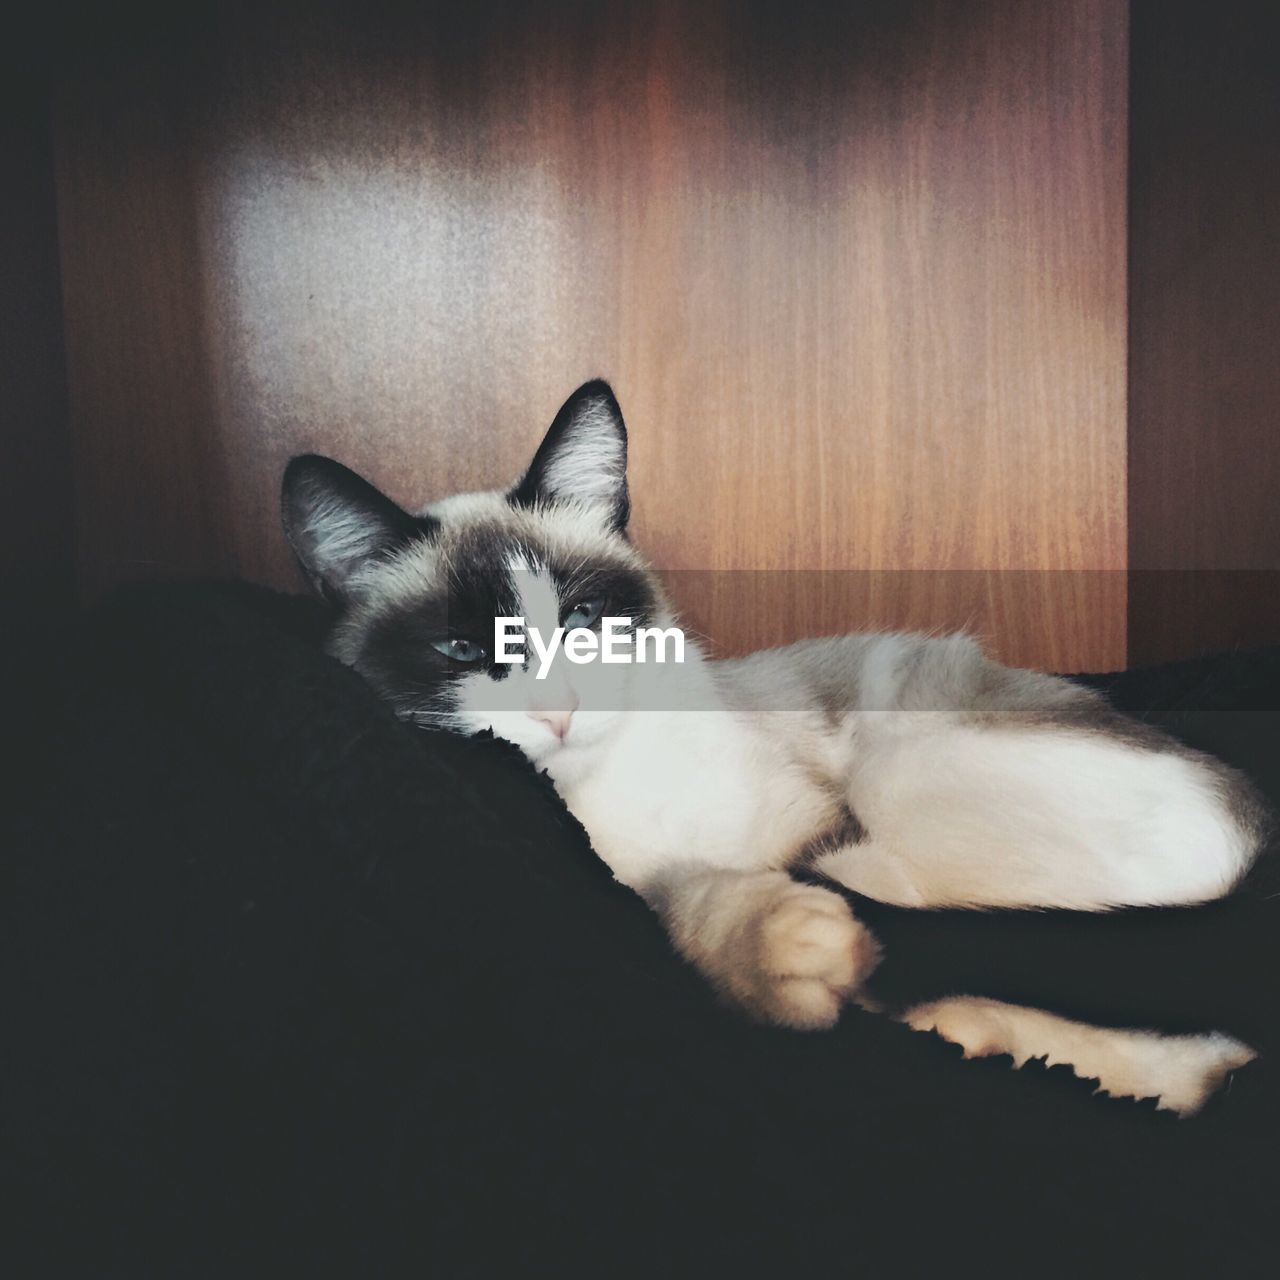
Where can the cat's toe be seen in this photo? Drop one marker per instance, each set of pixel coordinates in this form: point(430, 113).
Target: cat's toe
point(814, 954)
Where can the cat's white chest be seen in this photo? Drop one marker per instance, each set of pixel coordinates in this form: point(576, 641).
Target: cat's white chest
point(695, 786)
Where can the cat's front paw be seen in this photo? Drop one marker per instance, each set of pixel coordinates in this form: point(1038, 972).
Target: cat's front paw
point(809, 954)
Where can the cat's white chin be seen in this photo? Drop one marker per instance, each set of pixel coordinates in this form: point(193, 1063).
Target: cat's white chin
point(563, 763)
point(571, 754)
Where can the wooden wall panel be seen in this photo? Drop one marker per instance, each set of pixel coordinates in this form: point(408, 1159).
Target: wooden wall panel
point(1204, 394)
point(857, 273)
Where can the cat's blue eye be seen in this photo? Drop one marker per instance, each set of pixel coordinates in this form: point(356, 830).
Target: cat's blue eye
point(583, 614)
point(459, 648)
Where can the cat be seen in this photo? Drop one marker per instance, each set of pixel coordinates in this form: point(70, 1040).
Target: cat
point(911, 769)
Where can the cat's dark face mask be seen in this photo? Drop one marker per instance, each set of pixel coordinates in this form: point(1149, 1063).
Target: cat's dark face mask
point(420, 598)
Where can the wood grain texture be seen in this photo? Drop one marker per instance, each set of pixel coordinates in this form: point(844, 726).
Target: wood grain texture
point(856, 272)
point(1204, 395)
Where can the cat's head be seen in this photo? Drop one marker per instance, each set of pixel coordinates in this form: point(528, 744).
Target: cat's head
point(418, 595)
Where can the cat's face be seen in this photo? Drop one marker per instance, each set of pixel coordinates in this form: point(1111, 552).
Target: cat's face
point(418, 595)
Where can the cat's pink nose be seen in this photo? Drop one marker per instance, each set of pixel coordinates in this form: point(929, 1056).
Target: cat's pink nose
point(556, 721)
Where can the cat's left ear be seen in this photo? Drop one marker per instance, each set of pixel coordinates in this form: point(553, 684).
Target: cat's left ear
point(583, 457)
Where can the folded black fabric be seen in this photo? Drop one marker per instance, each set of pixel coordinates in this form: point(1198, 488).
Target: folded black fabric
point(294, 989)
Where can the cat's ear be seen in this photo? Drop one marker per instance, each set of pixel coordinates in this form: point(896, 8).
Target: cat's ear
point(337, 522)
point(583, 457)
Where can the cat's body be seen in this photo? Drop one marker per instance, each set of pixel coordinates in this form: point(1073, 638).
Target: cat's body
point(908, 768)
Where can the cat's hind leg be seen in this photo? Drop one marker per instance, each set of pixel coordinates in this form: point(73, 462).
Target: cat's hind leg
point(968, 815)
point(1181, 1071)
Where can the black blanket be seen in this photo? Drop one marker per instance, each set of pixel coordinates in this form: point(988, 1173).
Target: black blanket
point(293, 989)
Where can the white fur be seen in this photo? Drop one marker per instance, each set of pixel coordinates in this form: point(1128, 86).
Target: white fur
point(963, 815)
point(958, 813)
point(658, 768)
point(1182, 1071)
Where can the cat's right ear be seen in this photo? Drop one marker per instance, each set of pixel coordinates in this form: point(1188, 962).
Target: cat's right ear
point(337, 523)
point(582, 458)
